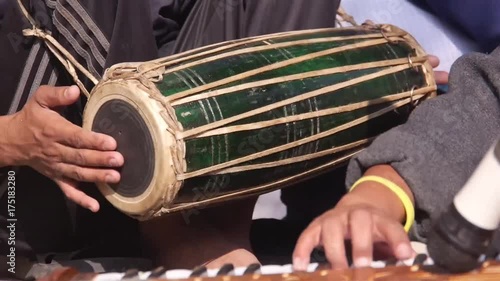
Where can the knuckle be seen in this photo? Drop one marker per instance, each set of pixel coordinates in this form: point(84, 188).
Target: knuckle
point(76, 140)
point(334, 222)
point(330, 228)
point(77, 174)
point(102, 176)
point(51, 154)
point(360, 214)
point(56, 171)
point(80, 158)
point(49, 131)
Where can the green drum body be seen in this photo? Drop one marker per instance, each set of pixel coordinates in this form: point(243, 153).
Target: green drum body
point(250, 116)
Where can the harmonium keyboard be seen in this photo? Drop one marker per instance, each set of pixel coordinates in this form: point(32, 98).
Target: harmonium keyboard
point(420, 268)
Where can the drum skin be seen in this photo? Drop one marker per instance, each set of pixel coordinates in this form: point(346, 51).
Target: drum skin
point(250, 116)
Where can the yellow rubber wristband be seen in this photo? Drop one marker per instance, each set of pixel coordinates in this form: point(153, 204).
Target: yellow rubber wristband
point(408, 205)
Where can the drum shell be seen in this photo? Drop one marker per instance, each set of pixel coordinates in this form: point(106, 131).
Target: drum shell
point(249, 116)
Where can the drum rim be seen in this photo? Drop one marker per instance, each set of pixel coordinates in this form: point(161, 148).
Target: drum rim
point(164, 185)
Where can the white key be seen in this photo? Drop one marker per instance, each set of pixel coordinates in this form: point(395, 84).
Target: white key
point(265, 270)
point(288, 268)
point(271, 269)
point(212, 272)
point(378, 264)
point(408, 262)
point(312, 267)
point(238, 271)
point(144, 275)
point(109, 277)
point(178, 274)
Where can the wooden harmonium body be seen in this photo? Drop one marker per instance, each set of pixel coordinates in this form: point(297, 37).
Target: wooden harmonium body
point(419, 269)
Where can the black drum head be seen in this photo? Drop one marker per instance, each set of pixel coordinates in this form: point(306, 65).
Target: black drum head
point(123, 122)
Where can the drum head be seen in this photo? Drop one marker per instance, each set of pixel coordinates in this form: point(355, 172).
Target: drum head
point(127, 113)
point(122, 121)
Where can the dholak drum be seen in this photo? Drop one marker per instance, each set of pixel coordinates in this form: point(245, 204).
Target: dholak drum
point(250, 116)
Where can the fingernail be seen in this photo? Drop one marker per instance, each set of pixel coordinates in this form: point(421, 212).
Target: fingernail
point(403, 251)
point(67, 92)
point(109, 178)
point(299, 264)
point(362, 262)
point(109, 144)
point(113, 162)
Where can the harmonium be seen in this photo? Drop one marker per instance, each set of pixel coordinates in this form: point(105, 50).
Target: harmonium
point(420, 268)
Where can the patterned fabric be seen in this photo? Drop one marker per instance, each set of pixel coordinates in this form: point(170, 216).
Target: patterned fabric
point(77, 29)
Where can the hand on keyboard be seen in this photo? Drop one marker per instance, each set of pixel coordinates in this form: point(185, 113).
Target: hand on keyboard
point(368, 227)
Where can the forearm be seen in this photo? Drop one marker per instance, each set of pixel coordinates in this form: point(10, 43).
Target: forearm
point(444, 139)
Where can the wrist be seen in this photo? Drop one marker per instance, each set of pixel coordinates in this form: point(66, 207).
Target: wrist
point(376, 196)
point(386, 192)
point(7, 142)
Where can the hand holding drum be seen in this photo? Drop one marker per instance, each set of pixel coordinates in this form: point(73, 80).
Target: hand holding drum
point(39, 137)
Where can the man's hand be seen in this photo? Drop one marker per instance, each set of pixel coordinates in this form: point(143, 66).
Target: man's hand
point(440, 76)
point(39, 137)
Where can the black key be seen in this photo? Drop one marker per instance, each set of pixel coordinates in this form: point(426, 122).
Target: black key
point(157, 272)
point(492, 254)
point(420, 259)
point(225, 269)
point(391, 262)
point(131, 273)
point(199, 271)
point(252, 269)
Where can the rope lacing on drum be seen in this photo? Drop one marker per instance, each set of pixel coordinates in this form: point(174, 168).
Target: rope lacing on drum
point(67, 60)
point(344, 16)
point(382, 28)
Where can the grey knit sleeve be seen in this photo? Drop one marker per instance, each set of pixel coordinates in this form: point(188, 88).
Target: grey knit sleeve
point(444, 139)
